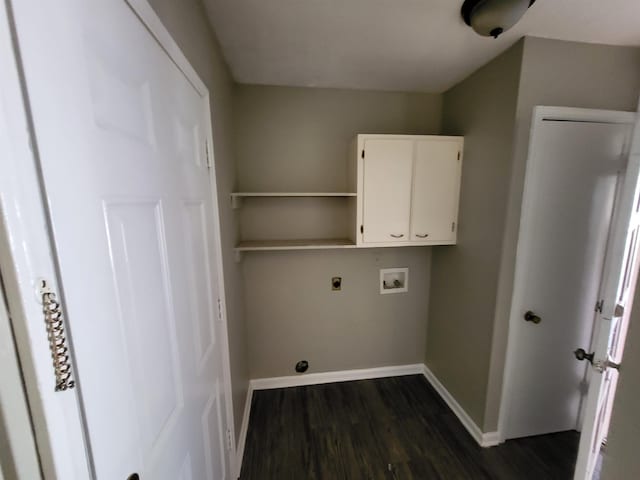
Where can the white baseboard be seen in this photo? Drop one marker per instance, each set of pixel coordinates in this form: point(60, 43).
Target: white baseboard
point(332, 377)
point(242, 438)
point(488, 439)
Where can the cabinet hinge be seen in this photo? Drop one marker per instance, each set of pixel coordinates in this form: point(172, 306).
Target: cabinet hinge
point(206, 150)
point(458, 155)
point(361, 228)
point(453, 226)
point(362, 153)
point(229, 441)
point(599, 306)
point(219, 310)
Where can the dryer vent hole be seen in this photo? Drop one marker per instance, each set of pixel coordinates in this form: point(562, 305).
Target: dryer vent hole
point(302, 366)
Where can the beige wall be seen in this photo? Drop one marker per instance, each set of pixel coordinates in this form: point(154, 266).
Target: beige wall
point(294, 315)
point(297, 139)
point(471, 284)
point(464, 277)
point(554, 73)
point(187, 22)
point(292, 139)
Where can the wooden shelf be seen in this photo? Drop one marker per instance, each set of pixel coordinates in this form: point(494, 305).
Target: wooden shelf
point(236, 197)
point(311, 244)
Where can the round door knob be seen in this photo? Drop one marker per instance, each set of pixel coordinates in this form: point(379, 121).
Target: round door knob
point(532, 317)
point(582, 355)
point(133, 476)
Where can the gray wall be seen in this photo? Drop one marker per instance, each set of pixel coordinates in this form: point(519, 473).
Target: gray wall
point(471, 284)
point(187, 22)
point(294, 315)
point(296, 139)
point(554, 73)
point(464, 277)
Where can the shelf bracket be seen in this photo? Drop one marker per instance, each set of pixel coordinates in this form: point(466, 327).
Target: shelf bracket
point(236, 202)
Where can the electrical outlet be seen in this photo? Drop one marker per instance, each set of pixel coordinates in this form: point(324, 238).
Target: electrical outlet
point(302, 366)
point(336, 283)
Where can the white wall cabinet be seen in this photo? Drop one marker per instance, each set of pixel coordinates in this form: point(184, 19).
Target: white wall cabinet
point(408, 188)
point(402, 190)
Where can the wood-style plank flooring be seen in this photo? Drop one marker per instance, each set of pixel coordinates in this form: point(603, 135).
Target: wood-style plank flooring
point(392, 429)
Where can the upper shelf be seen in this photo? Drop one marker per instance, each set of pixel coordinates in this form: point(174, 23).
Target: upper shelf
point(236, 197)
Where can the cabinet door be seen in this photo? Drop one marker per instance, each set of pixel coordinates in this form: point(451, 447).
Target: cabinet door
point(436, 186)
point(387, 190)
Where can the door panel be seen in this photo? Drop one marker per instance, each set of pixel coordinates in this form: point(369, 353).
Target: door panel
point(201, 309)
point(571, 183)
point(121, 138)
point(147, 326)
point(387, 190)
point(435, 193)
point(213, 438)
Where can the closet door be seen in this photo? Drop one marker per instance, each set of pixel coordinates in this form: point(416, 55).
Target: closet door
point(388, 164)
point(435, 192)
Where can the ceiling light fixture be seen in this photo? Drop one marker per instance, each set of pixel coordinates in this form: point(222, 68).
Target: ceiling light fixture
point(490, 18)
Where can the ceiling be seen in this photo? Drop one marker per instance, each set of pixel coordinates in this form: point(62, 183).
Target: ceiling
point(400, 45)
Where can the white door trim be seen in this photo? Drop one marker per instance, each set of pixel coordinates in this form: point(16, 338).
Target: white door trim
point(541, 113)
point(26, 254)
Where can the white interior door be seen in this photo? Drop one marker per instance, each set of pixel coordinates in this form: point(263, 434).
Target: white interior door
point(620, 280)
point(388, 167)
point(573, 173)
point(122, 140)
point(435, 192)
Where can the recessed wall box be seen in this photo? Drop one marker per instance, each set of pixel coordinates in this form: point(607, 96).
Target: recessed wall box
point(394, 280)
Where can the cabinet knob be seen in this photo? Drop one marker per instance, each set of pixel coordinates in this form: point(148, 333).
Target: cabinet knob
point(400, 235)
point(425, 235)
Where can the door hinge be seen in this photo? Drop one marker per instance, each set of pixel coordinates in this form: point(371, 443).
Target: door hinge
point(362, 153)
point(458, 155)
point(601, 366)
point(219, 310)
point(599, 305)
point(453, 226)
point(618, 311)
point(206, 150)
point(229, 441)
point(361, 228)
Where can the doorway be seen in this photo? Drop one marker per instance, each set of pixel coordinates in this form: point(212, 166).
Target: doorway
point(576, 182)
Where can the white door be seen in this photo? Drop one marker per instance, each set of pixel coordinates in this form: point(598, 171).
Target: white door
point(573, 174)
point(122, 138)
point(388, 166)
point(435, 192)
point(612, 324)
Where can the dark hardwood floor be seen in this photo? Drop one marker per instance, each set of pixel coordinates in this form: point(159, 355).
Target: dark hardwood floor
point(393, 429)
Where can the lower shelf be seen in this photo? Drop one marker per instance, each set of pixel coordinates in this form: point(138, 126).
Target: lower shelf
point(311, 244)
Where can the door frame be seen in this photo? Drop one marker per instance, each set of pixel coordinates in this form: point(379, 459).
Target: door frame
point(26, 254)
point(540, 113)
